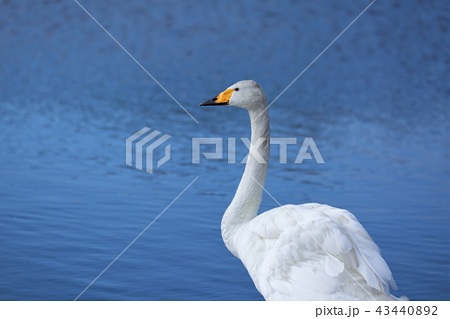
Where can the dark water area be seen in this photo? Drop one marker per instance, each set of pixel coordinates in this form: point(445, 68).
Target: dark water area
point(376, 104)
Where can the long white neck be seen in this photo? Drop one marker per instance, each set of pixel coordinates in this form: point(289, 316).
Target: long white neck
point(245, 204)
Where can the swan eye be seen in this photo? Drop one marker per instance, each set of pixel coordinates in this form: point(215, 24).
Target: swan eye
point(236, 89)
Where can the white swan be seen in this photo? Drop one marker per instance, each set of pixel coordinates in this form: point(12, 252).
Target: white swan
point(296, 252)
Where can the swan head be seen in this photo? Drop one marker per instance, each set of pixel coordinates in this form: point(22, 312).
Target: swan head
point(245, 94)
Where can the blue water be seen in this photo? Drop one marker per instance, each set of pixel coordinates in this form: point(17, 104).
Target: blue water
point(376, 104)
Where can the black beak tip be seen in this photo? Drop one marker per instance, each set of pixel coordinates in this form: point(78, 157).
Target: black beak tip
point(205, 103)
point(209, 102)
point(213, 101)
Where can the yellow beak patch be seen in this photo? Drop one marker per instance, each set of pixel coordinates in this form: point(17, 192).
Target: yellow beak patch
point(225, 96)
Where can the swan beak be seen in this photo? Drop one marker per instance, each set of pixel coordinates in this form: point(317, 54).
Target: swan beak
point(221, 99)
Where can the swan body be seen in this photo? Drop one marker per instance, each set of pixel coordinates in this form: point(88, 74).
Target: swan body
point(295, 252)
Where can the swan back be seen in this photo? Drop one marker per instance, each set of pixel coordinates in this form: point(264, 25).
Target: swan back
point(313, 252)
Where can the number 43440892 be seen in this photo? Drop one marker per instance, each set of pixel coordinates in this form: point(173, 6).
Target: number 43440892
point(407, 310)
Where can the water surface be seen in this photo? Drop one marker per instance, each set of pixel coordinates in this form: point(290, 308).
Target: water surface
point(375, 103)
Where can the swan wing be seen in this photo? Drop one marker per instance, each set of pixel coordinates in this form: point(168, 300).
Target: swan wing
point(313, 252)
